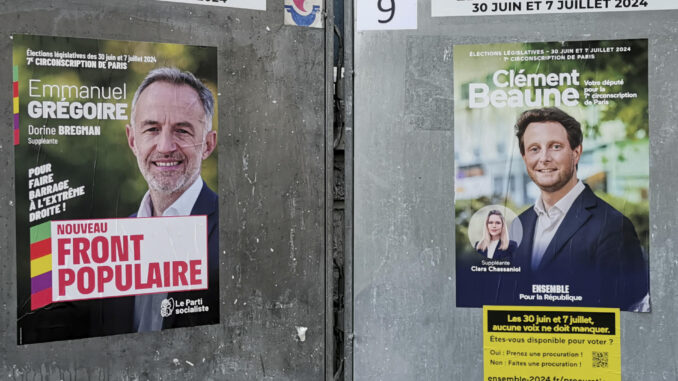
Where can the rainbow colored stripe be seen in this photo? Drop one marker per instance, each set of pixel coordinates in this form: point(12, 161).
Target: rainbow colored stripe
point(15, 99)
point(41, 265)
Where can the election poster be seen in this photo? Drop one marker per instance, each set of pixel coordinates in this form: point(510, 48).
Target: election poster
point(552, 174)
point(115, 178)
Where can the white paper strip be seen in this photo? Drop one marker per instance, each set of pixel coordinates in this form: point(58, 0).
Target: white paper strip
point(441, 8)
point(386, 14)
point(247, 4)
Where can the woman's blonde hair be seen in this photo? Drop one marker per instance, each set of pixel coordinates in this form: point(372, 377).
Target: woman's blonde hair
point(485, 242)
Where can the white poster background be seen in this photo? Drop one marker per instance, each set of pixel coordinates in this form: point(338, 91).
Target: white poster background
point(368, 14)
point(247, 4)
point(442, 8)
point(166, 239)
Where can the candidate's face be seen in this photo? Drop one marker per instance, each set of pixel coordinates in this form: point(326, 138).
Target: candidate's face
point(549, 160)
point(168, 136)
point(494, 226)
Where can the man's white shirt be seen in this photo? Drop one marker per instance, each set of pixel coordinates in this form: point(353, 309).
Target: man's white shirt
point(181, 207)
point(147, 307)
point(549, 221)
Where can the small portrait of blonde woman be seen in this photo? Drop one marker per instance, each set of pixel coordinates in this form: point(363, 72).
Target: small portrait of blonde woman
point(493, 232)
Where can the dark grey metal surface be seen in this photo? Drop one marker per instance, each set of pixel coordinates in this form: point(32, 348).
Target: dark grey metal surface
point(349, 170)
point(272, 153)
point(406, 324)
point(329, 195)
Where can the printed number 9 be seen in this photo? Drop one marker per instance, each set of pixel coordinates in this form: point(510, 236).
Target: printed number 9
point(392, 10)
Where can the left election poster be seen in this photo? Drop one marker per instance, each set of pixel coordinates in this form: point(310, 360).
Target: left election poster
point(115, 178)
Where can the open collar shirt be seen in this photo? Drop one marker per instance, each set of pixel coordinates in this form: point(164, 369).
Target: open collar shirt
point(147, 307)
point(548, 221)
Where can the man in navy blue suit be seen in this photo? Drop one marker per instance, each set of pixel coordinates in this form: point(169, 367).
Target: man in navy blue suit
point(170, 134)
point(576, 248)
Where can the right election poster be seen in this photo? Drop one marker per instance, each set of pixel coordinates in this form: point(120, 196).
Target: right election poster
point(552, 174)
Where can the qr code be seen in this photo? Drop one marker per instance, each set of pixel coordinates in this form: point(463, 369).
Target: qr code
point(600, 359)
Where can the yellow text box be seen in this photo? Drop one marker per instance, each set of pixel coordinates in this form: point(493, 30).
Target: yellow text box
point(524, 343)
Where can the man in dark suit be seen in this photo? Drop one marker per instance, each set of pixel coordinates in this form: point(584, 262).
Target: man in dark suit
point(170, 134)
point(574, 243)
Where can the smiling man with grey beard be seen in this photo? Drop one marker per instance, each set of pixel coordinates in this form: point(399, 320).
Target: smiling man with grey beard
point(170, 134)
